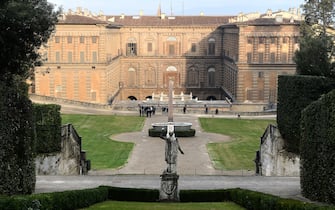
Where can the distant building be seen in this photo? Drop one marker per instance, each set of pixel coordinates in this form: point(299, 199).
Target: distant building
point(101, 58)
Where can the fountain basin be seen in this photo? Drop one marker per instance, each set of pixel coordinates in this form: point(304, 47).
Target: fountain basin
point(178, 126)
point(181, 129)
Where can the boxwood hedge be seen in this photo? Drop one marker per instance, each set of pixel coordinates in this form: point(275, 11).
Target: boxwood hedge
point(294, 94)
point(318, 149)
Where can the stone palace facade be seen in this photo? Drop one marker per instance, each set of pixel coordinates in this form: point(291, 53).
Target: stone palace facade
point(99, 58)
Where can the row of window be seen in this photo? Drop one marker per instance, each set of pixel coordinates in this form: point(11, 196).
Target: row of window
point(192, 77)
point(82, 39)
point(82, 58)
point(272, 40)
point(131, 48)
point(271, 59)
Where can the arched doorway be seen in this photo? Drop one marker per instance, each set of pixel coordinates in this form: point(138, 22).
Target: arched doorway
point(211, 98)
point(132, 98)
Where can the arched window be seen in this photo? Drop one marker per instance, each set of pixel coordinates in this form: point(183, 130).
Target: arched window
point(172, 45)
point(211, 46)
point(131, 77)
point(193, 76)
point(211, 77)
point(150, 76)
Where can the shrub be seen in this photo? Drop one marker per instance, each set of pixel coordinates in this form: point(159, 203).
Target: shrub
point(294, 94)
point(318, 150)
point(48, 128)
point(67, 200)
point(17, 167)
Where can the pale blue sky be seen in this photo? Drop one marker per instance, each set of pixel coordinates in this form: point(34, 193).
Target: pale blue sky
point(179, 7)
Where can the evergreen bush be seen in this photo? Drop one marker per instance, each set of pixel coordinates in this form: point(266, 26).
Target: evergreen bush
point(17, 166)
point(48, 121)
point(294, 94)
point(318, 150)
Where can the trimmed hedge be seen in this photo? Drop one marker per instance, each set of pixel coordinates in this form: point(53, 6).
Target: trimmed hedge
point(132, 194)
point(248, 199)
point(318, 150)
point(17, 166)
point(156, 133)
point(67, 200)
point(294, 94)
point(48, 127)
point(83, 198)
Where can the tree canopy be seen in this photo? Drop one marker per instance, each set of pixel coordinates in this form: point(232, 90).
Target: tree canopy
point(316, 53)
point(25, 25)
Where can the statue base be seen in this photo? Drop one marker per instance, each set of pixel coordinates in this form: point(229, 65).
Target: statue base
point(169, 187)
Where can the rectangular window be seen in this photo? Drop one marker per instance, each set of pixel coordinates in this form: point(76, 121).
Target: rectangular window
point(285, 40)
point(69, 57)
point(273, 40)
point(149, 47)
point(94, 39)
point(250, 40)
point(171, 49)
point(57, 39)
point(249, 57)
point(131, 49)
point(260, 74)
point(94, 57)
point(82, 40)
point(261, 40)
point(69, 39)
point(82, 57)
point(273, 57)
point(260, 57)
point(284, 58)
point(194, 47)
point(57, 57)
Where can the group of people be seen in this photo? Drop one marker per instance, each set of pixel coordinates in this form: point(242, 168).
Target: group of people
point(147, 111)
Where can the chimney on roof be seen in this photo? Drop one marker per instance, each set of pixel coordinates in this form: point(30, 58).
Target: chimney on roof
point(202, 13)
point(163, 16)
point(141, 12)
point(159, 11)
point(122, 16)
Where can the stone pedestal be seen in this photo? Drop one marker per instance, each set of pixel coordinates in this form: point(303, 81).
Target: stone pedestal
point(169, 187)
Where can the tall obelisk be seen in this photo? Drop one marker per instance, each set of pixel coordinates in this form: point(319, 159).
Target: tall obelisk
point(170, 103)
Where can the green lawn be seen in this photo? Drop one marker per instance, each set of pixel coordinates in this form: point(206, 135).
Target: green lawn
point(164, 206)
point(96, 131)
point(240, 152)
point(105, 153)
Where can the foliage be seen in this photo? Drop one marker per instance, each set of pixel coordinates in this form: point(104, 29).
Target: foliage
point(48, 127)
point(238, 153)
point(96, 132)
point(294, 94)
point(17, 174)
point(25, 25)
point(67, 200)
point(316, 53)
point(131, 194)
point(318, 149)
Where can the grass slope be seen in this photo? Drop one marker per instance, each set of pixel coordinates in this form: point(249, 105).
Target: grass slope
point(240, 152)
point(96, 131)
